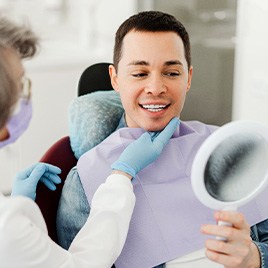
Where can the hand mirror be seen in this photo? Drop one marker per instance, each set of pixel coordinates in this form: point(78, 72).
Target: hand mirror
point(231, 166)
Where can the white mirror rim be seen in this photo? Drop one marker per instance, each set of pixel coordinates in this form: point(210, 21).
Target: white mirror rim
point(205, 151)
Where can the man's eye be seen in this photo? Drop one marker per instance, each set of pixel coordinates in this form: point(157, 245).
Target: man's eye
point(172, 74)
point(139, 75)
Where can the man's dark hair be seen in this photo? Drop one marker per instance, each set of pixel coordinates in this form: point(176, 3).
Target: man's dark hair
point(151, 21)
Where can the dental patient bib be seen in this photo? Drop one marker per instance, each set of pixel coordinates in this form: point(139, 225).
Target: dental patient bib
point(167, 216)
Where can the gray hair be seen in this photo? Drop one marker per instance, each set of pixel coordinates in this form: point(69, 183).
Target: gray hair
point(21, 38)
point(25, 42)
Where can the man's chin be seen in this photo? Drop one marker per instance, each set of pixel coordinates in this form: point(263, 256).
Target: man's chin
point(155, 127)
point(152, 125)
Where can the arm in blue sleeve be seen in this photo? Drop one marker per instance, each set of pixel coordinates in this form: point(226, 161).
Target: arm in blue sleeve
point(73, 209)
point(259, 235)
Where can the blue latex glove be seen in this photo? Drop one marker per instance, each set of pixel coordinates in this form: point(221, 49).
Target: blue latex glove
point(26, 181)
point(144, 150)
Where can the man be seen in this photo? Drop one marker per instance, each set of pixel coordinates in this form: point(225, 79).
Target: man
point(24, 241)
point(152, 72)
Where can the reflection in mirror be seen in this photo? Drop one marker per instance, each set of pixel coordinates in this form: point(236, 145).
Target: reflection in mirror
point(237, 167)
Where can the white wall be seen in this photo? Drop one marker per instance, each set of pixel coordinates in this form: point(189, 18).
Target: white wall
point(54, 74)
point(250, 100)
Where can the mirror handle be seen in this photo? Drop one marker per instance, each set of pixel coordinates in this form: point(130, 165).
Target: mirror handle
point(224, 223)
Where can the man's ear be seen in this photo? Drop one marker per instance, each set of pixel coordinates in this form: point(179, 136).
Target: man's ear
point(113, 77)
point(190, 74)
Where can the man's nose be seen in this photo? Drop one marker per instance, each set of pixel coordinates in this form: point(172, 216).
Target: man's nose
point(155, 85)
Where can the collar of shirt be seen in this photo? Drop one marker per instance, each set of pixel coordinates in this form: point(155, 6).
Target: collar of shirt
point(122, 122)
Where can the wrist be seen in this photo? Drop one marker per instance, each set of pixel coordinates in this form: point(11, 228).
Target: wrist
point(124, 167)
point(255, 259)
point(122, 173)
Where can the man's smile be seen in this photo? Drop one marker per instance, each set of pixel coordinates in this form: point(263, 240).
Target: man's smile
point(154, 107)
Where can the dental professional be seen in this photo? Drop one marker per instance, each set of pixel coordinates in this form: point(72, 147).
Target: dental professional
point(23, 235)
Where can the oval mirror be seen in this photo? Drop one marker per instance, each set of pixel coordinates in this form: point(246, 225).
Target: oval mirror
point(231, 166)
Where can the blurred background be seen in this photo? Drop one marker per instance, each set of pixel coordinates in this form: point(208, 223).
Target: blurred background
point(229, 55)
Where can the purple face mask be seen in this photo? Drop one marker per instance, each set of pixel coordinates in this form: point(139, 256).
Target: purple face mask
point(18, 122)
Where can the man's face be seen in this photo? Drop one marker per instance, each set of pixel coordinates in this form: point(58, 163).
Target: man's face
point(152, 78)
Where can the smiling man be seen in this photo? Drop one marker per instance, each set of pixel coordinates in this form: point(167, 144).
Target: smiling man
point(152, 73)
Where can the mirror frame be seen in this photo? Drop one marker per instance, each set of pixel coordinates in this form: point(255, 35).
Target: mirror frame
point(203, 154)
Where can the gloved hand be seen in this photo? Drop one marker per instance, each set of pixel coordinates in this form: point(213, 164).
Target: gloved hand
point(144, 150)
point(26, 181)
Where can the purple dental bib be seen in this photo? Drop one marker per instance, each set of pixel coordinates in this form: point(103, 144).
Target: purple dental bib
point(167, 216)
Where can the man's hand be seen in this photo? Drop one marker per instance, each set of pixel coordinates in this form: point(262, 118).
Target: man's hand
point(238, 251)
point(144, 150)
point(26, 181)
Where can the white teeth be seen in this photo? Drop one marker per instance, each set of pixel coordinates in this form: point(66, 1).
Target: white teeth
point(154, 107)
